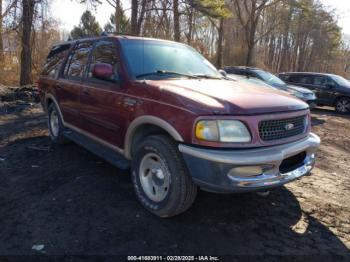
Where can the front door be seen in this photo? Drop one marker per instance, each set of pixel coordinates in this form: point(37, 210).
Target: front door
point(325, 89)
point(102, 99)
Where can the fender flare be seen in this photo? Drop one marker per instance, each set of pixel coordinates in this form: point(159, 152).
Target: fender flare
point(53, 99)
point(152, 120)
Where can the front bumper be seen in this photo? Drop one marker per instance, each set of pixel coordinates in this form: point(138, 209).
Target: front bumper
point(243, 170)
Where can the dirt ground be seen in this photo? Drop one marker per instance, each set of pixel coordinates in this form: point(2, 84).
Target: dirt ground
point(74, 203)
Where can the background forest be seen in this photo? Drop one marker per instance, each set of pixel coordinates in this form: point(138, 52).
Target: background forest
point(277, 35)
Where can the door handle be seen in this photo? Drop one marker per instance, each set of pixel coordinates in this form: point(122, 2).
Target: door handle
point(129, 101)
point(58, 86)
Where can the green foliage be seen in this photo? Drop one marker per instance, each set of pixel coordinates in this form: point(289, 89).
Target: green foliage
point(213, 8)
point(88, 27)
point(124, 24)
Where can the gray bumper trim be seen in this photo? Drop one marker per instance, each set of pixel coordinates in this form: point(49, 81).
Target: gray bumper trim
point(254, 156)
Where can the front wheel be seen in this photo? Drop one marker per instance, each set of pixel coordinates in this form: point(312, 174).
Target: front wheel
point(160, 177)
point(343, 105)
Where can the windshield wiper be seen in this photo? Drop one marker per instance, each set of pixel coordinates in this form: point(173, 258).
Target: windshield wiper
point(165, 72)
point(207, 76)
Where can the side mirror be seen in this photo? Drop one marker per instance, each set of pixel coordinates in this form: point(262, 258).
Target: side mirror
point(102, 71)
point(223, 73)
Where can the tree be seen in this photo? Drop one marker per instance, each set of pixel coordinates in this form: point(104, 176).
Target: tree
point(218, 10)
point(26, 53)
point(1, 43)
point(88, 27)
point(249, 13)
point(176, 20)
point(9, 7)
point(134, 11)
point(124, 24)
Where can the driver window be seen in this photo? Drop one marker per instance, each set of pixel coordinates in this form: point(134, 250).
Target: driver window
point(329, 82)
point(319, 81)
point(105, 52)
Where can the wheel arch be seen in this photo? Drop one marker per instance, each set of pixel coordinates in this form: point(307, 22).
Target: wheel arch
point(49, 98)
point(340, 97)
point(145, 126)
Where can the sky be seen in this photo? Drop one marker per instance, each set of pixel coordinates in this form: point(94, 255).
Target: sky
point(68, 12)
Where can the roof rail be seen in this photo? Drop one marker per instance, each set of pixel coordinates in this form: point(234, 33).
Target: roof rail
point(105, 33)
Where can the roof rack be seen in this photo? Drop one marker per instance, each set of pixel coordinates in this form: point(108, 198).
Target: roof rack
point(105, 33)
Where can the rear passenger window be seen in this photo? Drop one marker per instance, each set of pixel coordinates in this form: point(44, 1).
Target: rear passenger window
point(305, 80)
point(78, 60)
point(105, 52)
point(54, 60)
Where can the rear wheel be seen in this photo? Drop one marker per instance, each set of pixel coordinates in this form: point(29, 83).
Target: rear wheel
point(55, 125)
point(343, 105)
point(160, 177)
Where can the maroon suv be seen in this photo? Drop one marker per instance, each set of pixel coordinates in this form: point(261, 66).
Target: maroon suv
point(164, 110)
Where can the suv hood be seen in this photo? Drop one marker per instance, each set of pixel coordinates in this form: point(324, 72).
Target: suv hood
point(226, 97)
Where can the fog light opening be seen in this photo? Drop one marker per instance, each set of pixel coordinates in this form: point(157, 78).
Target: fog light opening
point(248, 171)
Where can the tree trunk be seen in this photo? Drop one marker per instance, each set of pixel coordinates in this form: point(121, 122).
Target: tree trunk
point(190, 26)
point(176, 21)
point(220, 42)
point(250, 46)
point(26, 53)
point(117, 16)
point(141, 16)
point(134, 11)
point(1, 39)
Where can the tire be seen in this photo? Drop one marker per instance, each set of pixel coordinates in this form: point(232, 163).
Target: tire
point(55, 125)
point(166, 189)
point(342, 105)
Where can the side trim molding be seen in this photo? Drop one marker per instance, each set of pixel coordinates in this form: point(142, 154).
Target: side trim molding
point(152, 121)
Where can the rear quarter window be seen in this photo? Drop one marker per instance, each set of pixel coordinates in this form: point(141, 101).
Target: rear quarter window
point(54, 60)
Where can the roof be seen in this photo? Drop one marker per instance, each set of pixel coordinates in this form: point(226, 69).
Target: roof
point(243, 67)
point(119, 36)
point(307, 73)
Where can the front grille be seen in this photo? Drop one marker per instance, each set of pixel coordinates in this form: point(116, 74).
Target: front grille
point(270, 130)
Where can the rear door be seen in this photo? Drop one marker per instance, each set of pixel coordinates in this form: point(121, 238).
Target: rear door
point(101, 99)
point(325, 89)
point(70, 83)
point(48, 77)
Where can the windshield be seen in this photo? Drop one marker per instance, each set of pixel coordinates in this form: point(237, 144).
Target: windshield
point(151, 59)
point(340, 80)
point(270, 78)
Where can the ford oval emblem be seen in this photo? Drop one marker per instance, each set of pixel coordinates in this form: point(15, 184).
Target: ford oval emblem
point(289, 126)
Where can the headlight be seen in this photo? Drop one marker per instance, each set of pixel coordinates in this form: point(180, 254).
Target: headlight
point(231, 131)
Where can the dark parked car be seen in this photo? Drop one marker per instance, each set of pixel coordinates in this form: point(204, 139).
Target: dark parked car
point(164, 110)
point(331, 90)
point(272, 80)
